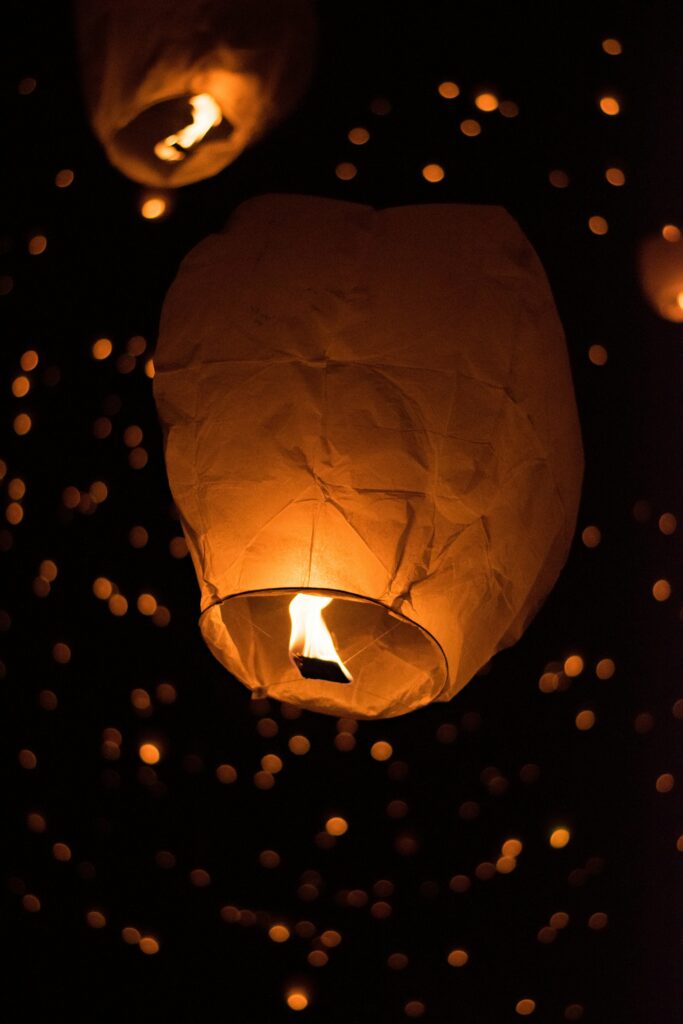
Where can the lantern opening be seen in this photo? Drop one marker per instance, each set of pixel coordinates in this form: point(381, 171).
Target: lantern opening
point(311, 646)
point(206, 114)
point(173, 132)
point(388, 662)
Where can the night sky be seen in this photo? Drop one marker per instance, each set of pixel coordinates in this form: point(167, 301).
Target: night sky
point(207, 886)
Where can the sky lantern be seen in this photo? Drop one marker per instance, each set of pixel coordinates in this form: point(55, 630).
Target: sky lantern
point(176, 91)
point(661, 272)
point(371, 436)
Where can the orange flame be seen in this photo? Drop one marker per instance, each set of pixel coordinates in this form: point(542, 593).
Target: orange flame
point(310, 637)
point(206, 114)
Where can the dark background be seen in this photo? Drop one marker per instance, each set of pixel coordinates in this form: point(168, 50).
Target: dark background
point(104, 274)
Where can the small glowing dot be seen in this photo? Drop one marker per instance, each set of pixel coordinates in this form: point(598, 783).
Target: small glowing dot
point(36, 822)
point(95, 919)
point(559, 838)
point(21, 386)
point(346, 171)
point(152, 207)
point(336, 826)
point(271, 763)
point(458, 957)
point(64, 178)
point(61, 653)
point(670, 233)
point(299, 745)
point(200, 878)
point(149, 753)
point(29, 361)
point(297, 1000)
point(573, 665)
point(30, 903)
point(330, 938)
point(381, 751)
point(269, 859)
point(615, 176)
point(22, 424)
point(486, 101)
point(511, 848)
point(449, 90)
point(140, 699)
point(591, 536)
point(102, 588)
point(504, 865)
point(525, 1006)
point(101, 349)
point(264, 780)
point(149, 945)
point(147, 604)
point(609, 105)
point(585, 720)
point(597, 355)
point(131, 936)
point(661, 590)
point(359, 136)
point(118, 605)
point(664, 783)
point(37, 245)
point(558, 179)
point(278, 933)
point(546, 935)
point(433, 173)
point(667, 523)
point(605, 668)
point(612, 46)
point(597, 921)
point(470, 127)
point(508, 108)
point(149, 368)
point(27, 759)
point(598, 225)
point(61, 852)
point(14, 513)
point(559, 920)
point(138, 537)
point(226, 774)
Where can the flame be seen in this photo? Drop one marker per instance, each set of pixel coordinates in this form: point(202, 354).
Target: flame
point(206, 114)
point(310, 637)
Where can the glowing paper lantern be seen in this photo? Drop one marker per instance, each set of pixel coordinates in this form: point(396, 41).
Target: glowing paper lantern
point(176, 90)
point(661, 273)
point(374, 407)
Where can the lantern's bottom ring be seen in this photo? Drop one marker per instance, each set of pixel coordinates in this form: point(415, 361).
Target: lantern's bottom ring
point(396, 664)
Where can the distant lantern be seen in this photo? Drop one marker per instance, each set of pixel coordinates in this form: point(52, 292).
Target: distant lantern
point(371, 436)
point(661, 273)
point(176, 91)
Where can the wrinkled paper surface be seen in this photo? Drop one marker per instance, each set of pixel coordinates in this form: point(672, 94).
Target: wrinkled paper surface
point(377, 403)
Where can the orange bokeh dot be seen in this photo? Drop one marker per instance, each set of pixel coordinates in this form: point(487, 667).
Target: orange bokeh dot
point(612, 46)
point(486, 101)
point(597, 355)
point(433, 173)
point(336, 826)
point(615, 176)
point(149, 753)
point(449, 90)
point(525, 1006)
point(598, 225)
point(470, 127)
point(346, 171)
point(664, 783)
point(101, 349)
point(381, 751)
point(559, 838)
point(661, 590)
point(585, 720)
point(149, 945)
point(609, 105)
point(558, 178)
point(358, 136)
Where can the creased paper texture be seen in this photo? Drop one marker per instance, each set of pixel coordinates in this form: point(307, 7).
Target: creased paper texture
point(376, 404)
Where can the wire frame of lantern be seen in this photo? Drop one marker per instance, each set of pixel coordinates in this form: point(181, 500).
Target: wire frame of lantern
point(372, 410)
point(176, 91)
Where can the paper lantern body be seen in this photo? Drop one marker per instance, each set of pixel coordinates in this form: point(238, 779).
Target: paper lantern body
point(145, 62)
point(661, 276)
point(374, 405)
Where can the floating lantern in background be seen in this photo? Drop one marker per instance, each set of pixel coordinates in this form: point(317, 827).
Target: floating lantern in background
point(661, 272)
point(176, 91)
point(368, 414)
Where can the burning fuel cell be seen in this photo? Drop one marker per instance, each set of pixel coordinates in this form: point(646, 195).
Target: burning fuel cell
point(311, 646)
point(371, 436)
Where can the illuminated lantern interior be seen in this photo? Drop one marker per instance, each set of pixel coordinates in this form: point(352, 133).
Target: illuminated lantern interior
point(661, 273)
point(369, 418)
point(176, 91)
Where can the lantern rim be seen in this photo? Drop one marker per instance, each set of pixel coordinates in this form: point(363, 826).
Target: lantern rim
point(435, 693)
